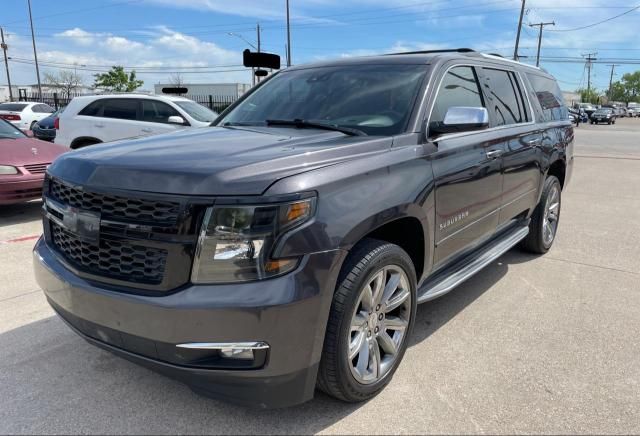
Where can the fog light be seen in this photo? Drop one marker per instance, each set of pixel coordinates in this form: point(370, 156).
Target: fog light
point(229, 350)
point(237, 353)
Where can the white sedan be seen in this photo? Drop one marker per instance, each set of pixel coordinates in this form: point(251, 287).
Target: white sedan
point(24, 115)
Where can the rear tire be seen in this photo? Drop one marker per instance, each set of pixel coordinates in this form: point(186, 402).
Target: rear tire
point(371, 319)
point(545, 218)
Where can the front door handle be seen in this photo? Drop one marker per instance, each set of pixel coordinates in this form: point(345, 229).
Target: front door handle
point(147, 130)
point(494, 154)
point(99, 125)
point(535, 142)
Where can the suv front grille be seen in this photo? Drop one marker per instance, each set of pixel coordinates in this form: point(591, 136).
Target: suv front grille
point(111, 206)
point(120, 260)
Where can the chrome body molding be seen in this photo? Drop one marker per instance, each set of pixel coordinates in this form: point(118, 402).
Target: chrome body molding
point(224, 345)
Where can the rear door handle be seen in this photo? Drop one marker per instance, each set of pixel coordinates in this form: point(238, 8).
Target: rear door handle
point(494, 154)
point(147, 130)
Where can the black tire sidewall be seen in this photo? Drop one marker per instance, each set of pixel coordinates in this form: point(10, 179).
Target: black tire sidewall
point(391, 255)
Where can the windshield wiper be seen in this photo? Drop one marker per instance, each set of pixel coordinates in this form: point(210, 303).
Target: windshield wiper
point(297, 122)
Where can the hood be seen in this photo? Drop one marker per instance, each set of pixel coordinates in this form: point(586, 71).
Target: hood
point(27, 151)
point(212, 160)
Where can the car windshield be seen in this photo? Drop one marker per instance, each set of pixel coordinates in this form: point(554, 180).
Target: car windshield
point(13, 107)
point(374, 99)
point(8, 131)
point(197, 111)
point(604, 111)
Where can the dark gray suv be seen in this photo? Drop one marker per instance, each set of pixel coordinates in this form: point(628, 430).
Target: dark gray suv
point(286, 247)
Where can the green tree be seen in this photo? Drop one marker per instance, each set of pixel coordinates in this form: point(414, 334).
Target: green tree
point(589, 95)
point(118, 80)
point(618, 92)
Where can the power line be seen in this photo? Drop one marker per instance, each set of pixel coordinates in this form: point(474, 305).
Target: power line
point(598, 23)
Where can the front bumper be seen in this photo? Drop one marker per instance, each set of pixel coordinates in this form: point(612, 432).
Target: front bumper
point(23, 188)
point(289, 313)
point(44, 134)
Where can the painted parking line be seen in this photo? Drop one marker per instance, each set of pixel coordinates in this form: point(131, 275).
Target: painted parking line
point(21, 239)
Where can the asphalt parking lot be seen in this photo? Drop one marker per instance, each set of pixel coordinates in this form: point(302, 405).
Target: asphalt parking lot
point(531, 344)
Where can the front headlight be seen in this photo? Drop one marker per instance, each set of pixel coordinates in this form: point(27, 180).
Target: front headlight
point(7, 170)
point(236, 242)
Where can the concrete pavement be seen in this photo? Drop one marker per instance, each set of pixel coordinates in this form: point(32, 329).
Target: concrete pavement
point(531, 344)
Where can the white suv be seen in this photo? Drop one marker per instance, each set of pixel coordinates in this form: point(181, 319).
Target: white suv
point(104, 118)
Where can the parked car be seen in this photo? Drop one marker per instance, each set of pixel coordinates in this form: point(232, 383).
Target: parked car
point(24, 115)
point(635, 107)
point(578, 116)
point(93, 119)
point(604, 115)
point(45, 129)
point(289, 244)
point(588, 108)
point(23, 162)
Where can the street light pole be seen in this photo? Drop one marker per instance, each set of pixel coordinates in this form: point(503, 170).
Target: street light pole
point(288, 38)
point(35, 51)
point(6, 62)
point(515, 52)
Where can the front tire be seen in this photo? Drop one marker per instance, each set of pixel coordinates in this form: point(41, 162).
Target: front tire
point(371, 318)
point(545, 218)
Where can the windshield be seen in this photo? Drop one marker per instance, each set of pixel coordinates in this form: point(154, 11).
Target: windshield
point(8, 131)
point(13, 107)
point(197, 111)
point(604, 111)
point(375, 99)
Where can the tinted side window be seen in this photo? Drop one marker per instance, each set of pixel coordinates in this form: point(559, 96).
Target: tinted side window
point(504, 99)
point(157, 111)
point(47, 109)
point(459, 88)
point(549, 97)
point(93, 110)
point(37, 109)
point(122, 109)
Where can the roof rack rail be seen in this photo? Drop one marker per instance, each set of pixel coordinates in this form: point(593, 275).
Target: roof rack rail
point(449, 50)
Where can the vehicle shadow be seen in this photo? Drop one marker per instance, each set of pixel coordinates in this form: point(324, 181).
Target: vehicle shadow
point(60, 384)
point(20, 213)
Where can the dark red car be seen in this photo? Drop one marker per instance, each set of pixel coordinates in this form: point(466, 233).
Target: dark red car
point(23, 162)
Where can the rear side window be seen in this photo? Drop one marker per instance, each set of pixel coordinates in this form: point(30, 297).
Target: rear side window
point(93, 110)
point(13, 107)
point(459, 88)
point(549, 97)
point(122, 109)
point(504, 97)
point(157, 111)
point(42, 109)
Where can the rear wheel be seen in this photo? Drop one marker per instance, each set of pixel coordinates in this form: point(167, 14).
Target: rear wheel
point(370, 320)
point(545, 218)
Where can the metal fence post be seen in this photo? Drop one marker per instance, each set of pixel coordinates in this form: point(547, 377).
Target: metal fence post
point(56, 103)
point(210, 101)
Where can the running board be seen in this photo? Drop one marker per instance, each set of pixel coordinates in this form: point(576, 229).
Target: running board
point(451, 277)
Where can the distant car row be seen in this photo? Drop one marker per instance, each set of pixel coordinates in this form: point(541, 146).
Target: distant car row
point(631, 110)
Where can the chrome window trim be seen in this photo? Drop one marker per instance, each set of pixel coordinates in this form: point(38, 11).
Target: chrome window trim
point(490, 129)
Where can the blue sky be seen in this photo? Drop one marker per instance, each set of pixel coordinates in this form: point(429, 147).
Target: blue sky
point(158, 36)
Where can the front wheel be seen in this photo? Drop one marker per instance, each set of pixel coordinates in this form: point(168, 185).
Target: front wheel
point(371, 317)
point(545, 218)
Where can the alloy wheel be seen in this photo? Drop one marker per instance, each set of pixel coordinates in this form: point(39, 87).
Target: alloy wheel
point(551, 215)
point(379, 324)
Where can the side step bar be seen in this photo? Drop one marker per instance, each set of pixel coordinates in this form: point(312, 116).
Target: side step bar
point(451, 277)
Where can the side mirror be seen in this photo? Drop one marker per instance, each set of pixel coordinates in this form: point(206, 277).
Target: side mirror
point(461, 119)
point(175, 119)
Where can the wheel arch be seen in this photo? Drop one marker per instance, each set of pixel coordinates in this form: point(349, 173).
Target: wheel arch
point(84, 140)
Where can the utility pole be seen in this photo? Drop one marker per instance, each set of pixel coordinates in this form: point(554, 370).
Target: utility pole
point(288, 38)
point(515, 52)
point(35, 52)
point(541, 26)
point(258, 79)
point(6, 62)
point(613, 66)
point(590, 59)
